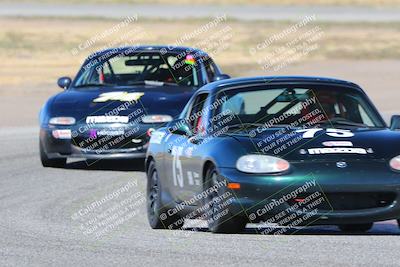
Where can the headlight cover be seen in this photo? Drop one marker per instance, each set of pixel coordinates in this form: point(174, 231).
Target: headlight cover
point(156, 118)
point(395, 163)
point(261, 164)
point(62, 121)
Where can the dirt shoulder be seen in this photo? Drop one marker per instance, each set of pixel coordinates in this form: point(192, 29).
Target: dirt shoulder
point(36, 52)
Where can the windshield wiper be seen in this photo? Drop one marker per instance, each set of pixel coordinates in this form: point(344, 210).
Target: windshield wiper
point(245, 125)
point(151, 82)
point(341, 121)
point(94, 85)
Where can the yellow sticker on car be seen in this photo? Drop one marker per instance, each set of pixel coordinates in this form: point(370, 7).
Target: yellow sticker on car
point(118, 96)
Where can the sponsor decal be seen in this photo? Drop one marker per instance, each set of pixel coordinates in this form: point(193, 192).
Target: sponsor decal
point(107, 119)
point(193, 178)
point(337, 143)
point(189, 152)
point(341, 164)
point(118, 96)
point(136, 141)
point(156, 137)
point(92, 133)
point(337, 150)
point(62, 134)
point(107, 132)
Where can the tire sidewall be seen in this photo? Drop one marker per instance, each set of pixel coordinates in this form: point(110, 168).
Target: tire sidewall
point(224, 221)
point(155, 221)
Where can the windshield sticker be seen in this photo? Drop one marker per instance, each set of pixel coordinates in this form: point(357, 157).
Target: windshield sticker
point(118, 96)
point(189, 60)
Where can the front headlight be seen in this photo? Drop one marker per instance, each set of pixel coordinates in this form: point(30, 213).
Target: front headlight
point(156, 118)
point(62, 121)
point(395, 163)
point(261, 164)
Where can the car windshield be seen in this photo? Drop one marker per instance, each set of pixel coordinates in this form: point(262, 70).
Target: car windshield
point(297, 106)
point(139, 68)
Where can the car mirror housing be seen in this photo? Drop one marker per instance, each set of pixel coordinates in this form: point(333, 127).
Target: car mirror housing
point(221, 77)
point(179, 127)
point(64, 82)
point(395, 122)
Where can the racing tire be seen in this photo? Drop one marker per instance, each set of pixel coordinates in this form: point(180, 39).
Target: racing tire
point(53, 163)
point(156, 214)
point(220, 220)
point(357, 228)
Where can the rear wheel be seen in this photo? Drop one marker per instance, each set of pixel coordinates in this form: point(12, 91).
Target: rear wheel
point(358, 228)
point(220, 219)
point(158, 216)
point(47, 162)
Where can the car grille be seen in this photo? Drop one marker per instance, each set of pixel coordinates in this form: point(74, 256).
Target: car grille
point(105, 143)
point(352, 201)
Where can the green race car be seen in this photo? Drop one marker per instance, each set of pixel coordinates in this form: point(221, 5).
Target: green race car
point(291, 151)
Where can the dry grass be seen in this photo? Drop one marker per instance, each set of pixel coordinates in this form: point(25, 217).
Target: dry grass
point(37, 51)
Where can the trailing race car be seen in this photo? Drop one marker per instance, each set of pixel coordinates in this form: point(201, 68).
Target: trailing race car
point(290, 151)
point(117, 98)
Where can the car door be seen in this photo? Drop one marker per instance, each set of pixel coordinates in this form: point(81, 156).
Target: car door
point(182, 152)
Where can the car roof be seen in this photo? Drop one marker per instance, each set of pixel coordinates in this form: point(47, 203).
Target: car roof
point(151, 48)
point(224, 84)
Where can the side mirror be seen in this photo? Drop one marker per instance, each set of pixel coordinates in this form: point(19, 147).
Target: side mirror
point(221, 77)
point(179, 127)
point(395, 122)
point(64, 82)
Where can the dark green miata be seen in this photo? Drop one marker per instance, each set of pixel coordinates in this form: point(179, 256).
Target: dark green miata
point(290, 151)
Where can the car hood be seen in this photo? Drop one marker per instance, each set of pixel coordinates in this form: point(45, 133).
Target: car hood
point(168, 100)
point(326, 144)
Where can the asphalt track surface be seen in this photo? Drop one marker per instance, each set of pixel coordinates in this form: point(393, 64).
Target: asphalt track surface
point(38, 227)
point(276, 13)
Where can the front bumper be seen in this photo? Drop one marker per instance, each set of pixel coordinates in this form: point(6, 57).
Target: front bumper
point(363, 192)
point(124, 141)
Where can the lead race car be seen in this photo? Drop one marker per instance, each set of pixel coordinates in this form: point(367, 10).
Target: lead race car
point(117, 98)
point(290, 151)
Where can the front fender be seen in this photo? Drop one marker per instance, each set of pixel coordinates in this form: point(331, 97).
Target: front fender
point(45, 112)
point(223, 152)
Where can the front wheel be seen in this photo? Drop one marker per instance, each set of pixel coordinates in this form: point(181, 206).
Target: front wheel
point(220, 218)
point(358, 228)
point(157, 215)
point(47, 162)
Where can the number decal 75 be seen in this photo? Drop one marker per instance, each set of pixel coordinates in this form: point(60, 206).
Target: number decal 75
point(310, 133)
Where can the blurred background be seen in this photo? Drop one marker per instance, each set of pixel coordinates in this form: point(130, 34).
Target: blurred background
point(357, 40)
